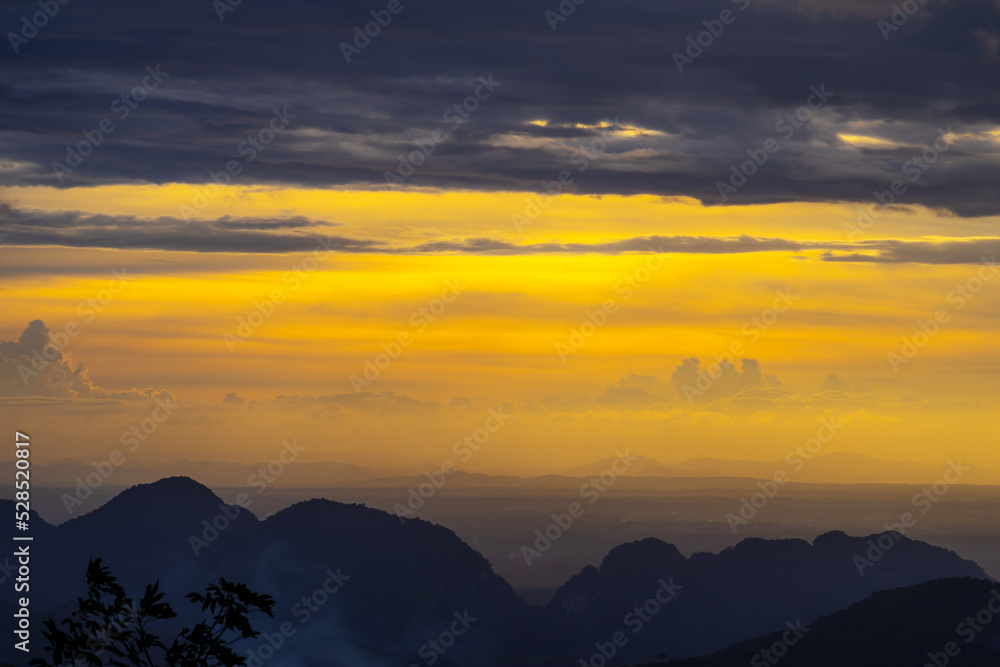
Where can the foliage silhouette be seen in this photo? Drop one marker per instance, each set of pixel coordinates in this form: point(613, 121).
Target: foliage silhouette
point(109, 629)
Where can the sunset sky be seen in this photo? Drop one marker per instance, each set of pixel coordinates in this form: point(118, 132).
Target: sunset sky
point(481, 258)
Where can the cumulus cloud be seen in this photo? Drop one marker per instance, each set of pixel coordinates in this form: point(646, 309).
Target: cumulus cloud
point(459, 403)
point(32, 366)
point(723, 390)
point(834, 383)
point(232, 399)
point(704, 385)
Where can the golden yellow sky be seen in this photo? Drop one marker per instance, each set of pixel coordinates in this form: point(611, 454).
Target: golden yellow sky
point(496, 342)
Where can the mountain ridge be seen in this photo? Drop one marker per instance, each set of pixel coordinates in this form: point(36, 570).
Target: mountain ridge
point(404, 579)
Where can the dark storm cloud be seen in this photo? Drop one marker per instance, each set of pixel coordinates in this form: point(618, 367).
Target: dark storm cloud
point(606, 61)
point(970, 251)
point(226, 234)
point(270, 236)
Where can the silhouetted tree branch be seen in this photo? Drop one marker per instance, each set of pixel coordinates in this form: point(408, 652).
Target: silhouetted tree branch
point(109, 629)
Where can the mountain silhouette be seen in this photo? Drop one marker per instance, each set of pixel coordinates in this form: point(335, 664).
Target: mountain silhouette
point(743, 591)
point(398, 584)
point(932, 623)
point(358, 586)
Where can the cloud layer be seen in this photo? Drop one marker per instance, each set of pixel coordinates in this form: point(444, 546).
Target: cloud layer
point(299, 234)
point(33, 366)
point(555, 108)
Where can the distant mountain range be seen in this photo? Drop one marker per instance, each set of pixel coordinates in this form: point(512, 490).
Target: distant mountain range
point(404, 583)
point(835, 468)
point(744, 591)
